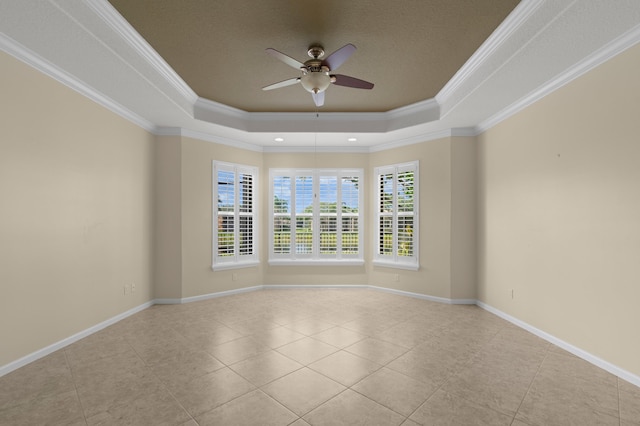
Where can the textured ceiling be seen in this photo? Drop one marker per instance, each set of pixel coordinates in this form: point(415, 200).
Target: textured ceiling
point(409, 49)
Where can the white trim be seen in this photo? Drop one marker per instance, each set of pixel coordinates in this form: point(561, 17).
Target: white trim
point(316, 262)
point(424, 296)
point(600, 56)
point(220, 294)
point(396, 265)
point(47, 68)
point(598, 362)
point(34, 356)
point(317, 149)
point(314, 286)
point(237, 259)
point(167, 301)
point(206, 137)
point(110, 16)
point(235, 265)
point(518, 16)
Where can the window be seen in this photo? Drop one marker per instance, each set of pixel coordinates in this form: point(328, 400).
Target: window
point(315, 216)
point(234, 224)
point(397, 216)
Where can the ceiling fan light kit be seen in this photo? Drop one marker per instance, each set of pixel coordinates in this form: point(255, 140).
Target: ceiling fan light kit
point(316, 77)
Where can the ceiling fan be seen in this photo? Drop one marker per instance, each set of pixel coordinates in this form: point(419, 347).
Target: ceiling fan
point(315, 71)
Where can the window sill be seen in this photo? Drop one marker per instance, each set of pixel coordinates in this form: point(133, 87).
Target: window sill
point(234, 265)
point(316, 262)
point(397, 265)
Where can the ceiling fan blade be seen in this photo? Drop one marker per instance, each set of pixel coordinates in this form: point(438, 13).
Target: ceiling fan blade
point(318, 98)
point(284, 83)
point(345, 80)
point(285, 58)
point(338, 57)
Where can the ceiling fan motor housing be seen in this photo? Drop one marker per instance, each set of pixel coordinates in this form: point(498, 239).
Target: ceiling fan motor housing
point(315, 76)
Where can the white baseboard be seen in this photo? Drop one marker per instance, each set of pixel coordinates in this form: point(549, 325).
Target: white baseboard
point(605, 365)
point(598, 362)
point(425, 296)
point(220, 294)
point(34, 356)
point(313, 286)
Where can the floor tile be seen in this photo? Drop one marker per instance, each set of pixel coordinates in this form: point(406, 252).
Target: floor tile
point(253, 326)
point(436, 363)
point(96, 346)
point(378, 351)
point(45, 377)
point(344, 367)
point(299, 422)
point(254, 408)
point(186, 366)
point(55, 409)
point(432, 369)
point(158, 408)
point(208, 337)
point(498, 378)
point(111, 382)
point(351, 408)
point(307, 350)
point(402, 335)
point(629, 402)
point(276, 337)
point(265, 368)
point(394, 390)
point(310, 326)
point(339, 337)
point(238, 350)
point(210, 391)
point(303, 390)
point(445, 409)
point(569, 390)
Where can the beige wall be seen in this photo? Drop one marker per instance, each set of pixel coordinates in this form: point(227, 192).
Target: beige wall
point(559, 213)
point(168, 218)
point(464, 203)
point(197, 227)
point(76, 213)
point(91, 203)
point(434, 276)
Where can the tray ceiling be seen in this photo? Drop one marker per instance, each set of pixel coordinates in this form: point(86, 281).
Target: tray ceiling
point(408, 49)
point(196, 68)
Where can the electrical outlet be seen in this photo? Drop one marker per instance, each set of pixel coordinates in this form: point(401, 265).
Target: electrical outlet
point(133, 287)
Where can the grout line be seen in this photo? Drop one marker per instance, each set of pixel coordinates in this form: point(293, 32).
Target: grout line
point(619, 410)
point(531, 383)
point(75, 385)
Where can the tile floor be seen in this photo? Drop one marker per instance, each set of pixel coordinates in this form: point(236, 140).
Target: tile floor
point(315, 357)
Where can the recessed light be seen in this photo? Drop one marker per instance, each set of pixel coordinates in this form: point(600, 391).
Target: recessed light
point(352, 139)
point(279, 139)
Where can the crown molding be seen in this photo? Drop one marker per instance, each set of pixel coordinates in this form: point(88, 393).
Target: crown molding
point(35, 61)
point(317, 149)
point(521, 14)
point(600, 56)
point(352, 122)
point(110, 16)
point(206, 137)
point(425, 137)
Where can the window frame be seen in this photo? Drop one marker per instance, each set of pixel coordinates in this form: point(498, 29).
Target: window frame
point(236, 260)
point(316, 257)
point(394, 260)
